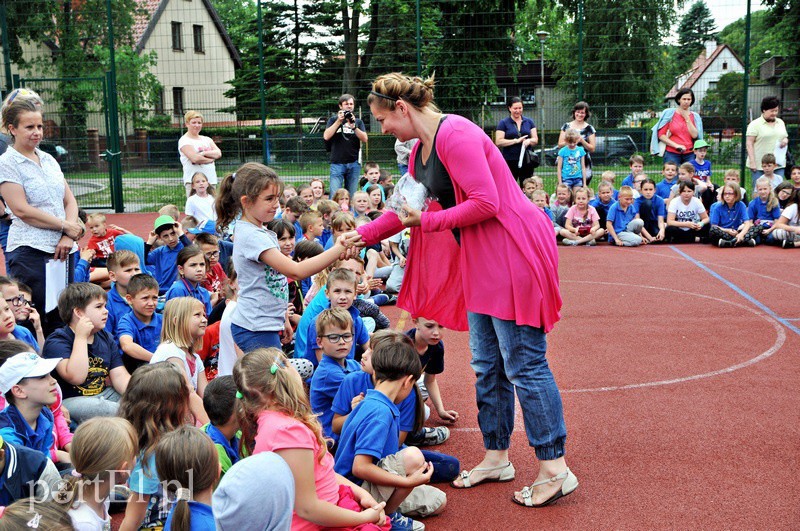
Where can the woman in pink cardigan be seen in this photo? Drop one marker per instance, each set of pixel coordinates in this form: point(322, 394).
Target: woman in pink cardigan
point(481, 255)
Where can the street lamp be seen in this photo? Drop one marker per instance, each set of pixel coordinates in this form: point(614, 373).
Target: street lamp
point(543, 35)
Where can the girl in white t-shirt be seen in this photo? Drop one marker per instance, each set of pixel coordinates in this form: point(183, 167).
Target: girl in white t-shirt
point(582, 221)
point(687, 219)
point(200, 203)
point(198, 153)
point(181, 334)
point(103, 452)
point(787, 228)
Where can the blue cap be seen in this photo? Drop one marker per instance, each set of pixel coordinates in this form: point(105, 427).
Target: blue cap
point(209, 227)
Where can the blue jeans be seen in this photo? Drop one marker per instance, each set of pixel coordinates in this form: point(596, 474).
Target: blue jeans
point(508, 357)
point(248, 340)
point(445, 467)
point(83, 408)
point(678, 158)
point(345, 175)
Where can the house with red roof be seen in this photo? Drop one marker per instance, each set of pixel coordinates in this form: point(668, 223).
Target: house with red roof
point(711, 64)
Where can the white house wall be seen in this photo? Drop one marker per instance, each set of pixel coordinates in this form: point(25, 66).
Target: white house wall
point(202, 76)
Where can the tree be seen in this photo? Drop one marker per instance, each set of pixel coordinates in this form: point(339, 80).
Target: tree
point(625, 66)
point(726, 98)
point(76, 31)
point(138, 89)
point(476, 37)
point(696, 27)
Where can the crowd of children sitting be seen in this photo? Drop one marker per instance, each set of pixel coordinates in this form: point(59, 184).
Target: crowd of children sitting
point(684, 206)
point(145, 402)
point(233, 369)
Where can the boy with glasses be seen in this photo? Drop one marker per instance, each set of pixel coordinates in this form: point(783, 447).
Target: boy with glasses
point(335, 339)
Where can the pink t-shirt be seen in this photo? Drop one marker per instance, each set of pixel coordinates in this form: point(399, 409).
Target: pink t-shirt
point(579, 220)
point(277, 431)
point(679, 132)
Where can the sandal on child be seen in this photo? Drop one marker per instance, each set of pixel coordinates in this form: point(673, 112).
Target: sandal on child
point(507, 473)
point(569, 485)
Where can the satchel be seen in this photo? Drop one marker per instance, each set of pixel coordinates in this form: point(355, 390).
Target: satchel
point(531, 157)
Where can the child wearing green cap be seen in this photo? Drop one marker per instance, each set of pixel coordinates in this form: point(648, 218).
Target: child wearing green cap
point(702, 174)
point(164, 258)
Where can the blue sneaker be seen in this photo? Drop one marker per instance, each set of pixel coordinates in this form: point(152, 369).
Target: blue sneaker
point(404, 523)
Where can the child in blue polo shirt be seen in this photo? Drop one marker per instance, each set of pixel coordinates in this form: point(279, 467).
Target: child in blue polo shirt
point(139, 332)
point(29, 389)
point(623, 223)
point(191, 264)
point(764, 210)
point(602, 202)
point(164, 258)
point(412, 412)
point(340, 292)
point(670, 173)
point(368, 447)
point(335, 338)
point(652, 211)
point(122, 265)
point(731, 225)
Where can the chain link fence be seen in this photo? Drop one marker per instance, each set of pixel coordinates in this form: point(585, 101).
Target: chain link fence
point(624, 58)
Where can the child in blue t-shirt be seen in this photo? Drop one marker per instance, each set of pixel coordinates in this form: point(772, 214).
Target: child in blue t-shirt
point(334, 329)
point(340, 293)
point(191, 264)
point(702, 167)
point(122, 266)
point(571, 161)
point(636, 164)
point(730, 222)
point(623, 223)
point(764, 210)
point(368, 447)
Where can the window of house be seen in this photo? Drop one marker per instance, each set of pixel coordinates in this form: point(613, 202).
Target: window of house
point(177, 38)
point(177, 101)
point(725, 65)
point(197, 33)
point(160, 102)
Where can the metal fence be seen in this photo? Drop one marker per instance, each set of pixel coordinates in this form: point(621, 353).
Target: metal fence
point(114, 119)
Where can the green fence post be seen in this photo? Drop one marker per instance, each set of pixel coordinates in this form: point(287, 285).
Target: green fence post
point(580, 51)
point(743, 155)
point(113, 152)
point(261, 87)
point(419, 42)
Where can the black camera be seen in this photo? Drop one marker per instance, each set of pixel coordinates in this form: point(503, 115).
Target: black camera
point(348, 116)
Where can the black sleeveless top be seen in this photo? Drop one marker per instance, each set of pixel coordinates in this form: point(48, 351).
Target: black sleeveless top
point(433, 175)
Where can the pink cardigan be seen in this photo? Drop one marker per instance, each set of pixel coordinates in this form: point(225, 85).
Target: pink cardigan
point(507, 265)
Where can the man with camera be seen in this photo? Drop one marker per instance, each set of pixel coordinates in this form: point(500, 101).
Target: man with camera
point(343, 136)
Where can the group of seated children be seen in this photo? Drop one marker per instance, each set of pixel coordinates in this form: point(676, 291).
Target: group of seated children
point(341, 433)
point(684, 207)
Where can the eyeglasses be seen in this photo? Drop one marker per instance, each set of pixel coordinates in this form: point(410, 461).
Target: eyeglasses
point(335, 338)
point(212, 254)
point(19, 300)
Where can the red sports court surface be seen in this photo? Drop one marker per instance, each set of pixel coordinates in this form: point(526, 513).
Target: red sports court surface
point(680, 376)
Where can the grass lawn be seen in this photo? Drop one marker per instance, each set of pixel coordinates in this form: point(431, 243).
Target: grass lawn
point(148, 189)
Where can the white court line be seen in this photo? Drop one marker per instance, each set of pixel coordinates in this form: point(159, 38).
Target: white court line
point(779, 341)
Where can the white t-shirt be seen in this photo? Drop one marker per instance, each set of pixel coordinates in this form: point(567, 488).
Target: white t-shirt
point(167, 350)
point(201, 208)
point(201, 144)
point(790, 213)
point(226, 358)
point(85, 519)
point(690, 212)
